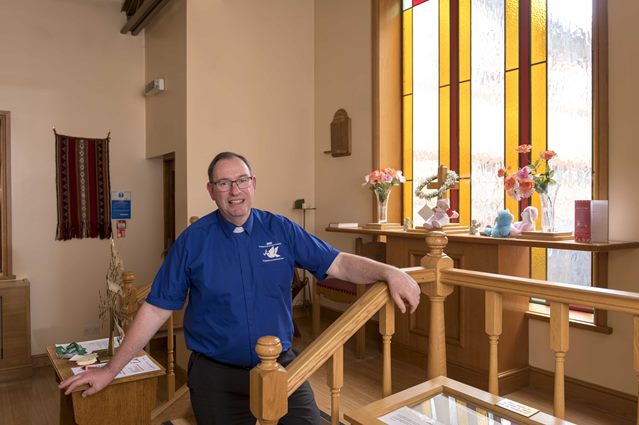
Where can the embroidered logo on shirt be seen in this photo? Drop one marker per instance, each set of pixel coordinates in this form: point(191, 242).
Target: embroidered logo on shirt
point(270, 252)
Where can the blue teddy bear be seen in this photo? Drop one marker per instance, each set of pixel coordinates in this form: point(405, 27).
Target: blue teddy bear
point(503, 225)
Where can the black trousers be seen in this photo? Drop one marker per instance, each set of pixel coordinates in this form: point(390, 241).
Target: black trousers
point(220, 394)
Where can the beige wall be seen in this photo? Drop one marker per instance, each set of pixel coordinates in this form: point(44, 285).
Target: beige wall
point(250, 90)
point(343, 79)
point(165, 57)
point(66, 64)
point(607, 359)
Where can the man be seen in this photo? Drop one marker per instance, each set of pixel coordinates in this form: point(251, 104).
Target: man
point(237, 264)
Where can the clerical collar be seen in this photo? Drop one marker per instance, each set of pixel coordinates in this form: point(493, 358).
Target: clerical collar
point(238, 229)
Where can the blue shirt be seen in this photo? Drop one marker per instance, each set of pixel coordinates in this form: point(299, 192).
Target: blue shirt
point(240, 283)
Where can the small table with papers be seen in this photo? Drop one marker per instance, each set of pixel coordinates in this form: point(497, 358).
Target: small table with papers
point(129, 399)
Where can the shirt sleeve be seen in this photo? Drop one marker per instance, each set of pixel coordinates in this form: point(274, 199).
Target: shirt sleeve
point(171, 283)
point(311, 253)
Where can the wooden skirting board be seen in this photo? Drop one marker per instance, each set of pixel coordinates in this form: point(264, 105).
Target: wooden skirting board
point(606, 399)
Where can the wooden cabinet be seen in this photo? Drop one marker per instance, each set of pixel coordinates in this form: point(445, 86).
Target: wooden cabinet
point(15, 330)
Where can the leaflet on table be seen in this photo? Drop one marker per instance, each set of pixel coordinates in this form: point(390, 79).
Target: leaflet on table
point(95, 344)
point(406, 416)
point(137, 365)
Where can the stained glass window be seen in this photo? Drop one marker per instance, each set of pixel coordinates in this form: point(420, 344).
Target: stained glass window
point(486, 76)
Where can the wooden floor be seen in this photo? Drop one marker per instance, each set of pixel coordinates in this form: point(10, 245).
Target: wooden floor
point(35, 401)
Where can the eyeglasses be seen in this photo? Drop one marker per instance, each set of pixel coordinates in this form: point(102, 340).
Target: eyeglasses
point(224, 185)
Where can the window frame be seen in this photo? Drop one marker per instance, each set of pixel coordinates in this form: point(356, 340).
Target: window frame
point(5, 196)
point(387, 114)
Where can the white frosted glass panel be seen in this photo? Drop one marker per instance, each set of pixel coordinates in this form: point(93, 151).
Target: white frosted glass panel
point(570, 103)
point(570, 266)
point(570, 125)
point(407, 4)
point(425, 95)
point(487, 76)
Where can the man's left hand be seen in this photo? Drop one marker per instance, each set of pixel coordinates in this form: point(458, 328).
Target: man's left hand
point(404, 290)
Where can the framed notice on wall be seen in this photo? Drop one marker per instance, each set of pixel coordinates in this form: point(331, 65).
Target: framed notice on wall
point(120, 205)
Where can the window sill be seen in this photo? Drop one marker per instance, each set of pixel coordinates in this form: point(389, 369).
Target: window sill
point(574, 321)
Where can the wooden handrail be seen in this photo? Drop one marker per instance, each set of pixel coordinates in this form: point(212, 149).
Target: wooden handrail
point(329, 346)
point(603, 298)
point(336, 335)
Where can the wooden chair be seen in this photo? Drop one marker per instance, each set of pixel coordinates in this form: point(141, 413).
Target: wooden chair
point(347, 292)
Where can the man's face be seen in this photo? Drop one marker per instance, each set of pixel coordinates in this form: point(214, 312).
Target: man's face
point(235, 203)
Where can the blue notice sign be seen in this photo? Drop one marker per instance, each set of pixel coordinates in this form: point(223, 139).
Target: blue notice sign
point(120, 205)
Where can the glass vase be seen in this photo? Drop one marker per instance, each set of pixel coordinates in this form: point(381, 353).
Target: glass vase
point(548, 201)
point(382, 205)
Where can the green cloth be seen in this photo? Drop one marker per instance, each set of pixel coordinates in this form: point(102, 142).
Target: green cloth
point(70, 350)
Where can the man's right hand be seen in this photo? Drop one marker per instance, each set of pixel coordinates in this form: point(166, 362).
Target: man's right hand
point(95, 377)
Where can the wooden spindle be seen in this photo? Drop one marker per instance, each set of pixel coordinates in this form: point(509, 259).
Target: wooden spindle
point(437, 293)
point(336, 382)
point(559, 332)
point(493, 330)
point(268, 383)
point(387, 330)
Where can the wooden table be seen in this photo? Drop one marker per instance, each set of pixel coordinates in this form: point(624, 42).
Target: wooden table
point(127, 401)
point(468, 404)
point(466, 341)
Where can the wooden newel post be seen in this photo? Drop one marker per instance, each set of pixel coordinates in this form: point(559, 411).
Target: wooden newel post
point(268, 390)
point(437, 293)
point(129, 299)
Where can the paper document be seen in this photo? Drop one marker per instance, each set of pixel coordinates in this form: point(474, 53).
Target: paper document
point(519, 408)
point(136, 366)
point(406, 416)
point(95, 344)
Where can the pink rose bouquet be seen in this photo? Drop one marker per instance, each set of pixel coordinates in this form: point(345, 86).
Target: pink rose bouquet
point(381, 181)
point(530, 178)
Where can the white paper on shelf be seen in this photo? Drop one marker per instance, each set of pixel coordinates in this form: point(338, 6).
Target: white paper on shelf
point(94, 344)
point(519, 408)
point(406, 416)
point(137, 365)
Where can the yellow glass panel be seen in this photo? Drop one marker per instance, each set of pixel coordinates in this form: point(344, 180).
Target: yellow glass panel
point(444, 42)
point(538, 31)
point(538, 111)
point(407, 139)
point(512, 119)
point(407, 200)
point(464, 40)
point(538, 263)
point(407, 21)
point(464, 153)
point(464, 129)
point(464, 202)
point(512, 34)
point(511, 157)
point(444, 126)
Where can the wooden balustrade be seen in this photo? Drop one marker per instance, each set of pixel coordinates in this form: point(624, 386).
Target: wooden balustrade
point(329, 346)
point(559, 295)
point(133, 297)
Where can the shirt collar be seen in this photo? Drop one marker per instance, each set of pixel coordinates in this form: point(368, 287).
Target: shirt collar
point(229, 227)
